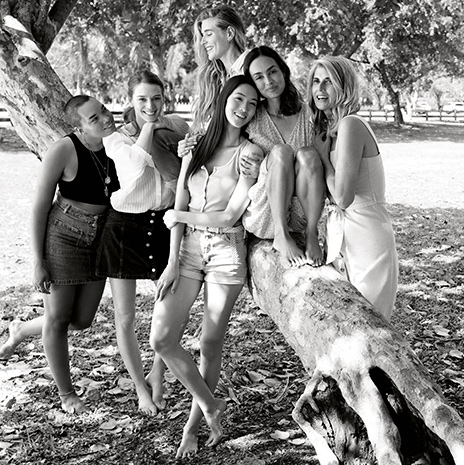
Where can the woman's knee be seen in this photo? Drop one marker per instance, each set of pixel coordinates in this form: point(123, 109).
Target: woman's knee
point(307, 158)
point(80, 323)
point(162, 337)
point(281, 153)
point(56, 323)
point(162, 342)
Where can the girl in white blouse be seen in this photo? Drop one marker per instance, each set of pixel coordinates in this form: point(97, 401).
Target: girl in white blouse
point(135, 241)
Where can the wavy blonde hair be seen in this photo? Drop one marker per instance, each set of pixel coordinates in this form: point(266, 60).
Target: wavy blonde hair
point(211, 74)
point(345, 81)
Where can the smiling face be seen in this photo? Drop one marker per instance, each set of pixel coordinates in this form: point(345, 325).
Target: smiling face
point(241, 105)
point(96, 121)
point(148, 101)
point(323, 91)
point(268, 77)
point(214, 39)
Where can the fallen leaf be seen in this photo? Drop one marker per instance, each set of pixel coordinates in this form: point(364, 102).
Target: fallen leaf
point(99, 447)
point(174, 415)
point(456, 353)
point(280, 434)
point(440, 331)
point(110, 424)
point(297, 441)
point(255, 376)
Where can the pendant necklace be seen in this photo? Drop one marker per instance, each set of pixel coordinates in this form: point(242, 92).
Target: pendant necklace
point(100, 168)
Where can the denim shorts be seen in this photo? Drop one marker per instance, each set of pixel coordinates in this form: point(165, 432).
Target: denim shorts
point(214, 256)
point(134, 245)
point(71, 241)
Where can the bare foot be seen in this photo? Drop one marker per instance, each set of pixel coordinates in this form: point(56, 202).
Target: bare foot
point(314, 255)
point(290, 253)
point(146, 404)
point(7, 349)
point(188, 446)
point(157, 389)
point(214, 422)
point(71, 403)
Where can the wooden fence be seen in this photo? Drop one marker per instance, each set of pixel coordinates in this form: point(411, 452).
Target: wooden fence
point(371, 115)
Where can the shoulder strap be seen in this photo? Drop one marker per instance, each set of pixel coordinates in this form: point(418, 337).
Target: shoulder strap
point(368, 127)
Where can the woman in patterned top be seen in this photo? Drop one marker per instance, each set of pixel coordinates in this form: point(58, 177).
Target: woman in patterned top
point(290, 190)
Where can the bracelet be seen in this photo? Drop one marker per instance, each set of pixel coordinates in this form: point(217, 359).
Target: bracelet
point(72, 391)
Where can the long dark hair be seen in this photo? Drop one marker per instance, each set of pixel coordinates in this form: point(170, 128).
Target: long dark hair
point(208, 143)
point(290, 100)
point(142, 76)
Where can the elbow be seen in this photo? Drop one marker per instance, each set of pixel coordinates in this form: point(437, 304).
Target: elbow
point(226, 220)
point(344, 201)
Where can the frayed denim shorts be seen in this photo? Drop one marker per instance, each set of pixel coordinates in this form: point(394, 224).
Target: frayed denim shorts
point(214, 255)
point(71, 241)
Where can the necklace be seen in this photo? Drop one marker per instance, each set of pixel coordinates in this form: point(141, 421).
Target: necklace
point(278, 115)
point(100, 168)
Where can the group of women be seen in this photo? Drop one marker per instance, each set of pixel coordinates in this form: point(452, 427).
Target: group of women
point(258, 160)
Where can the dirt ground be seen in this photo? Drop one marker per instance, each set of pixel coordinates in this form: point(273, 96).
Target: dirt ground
point(262, 378)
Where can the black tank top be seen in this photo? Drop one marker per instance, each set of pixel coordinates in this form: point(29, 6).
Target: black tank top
point(88, 186)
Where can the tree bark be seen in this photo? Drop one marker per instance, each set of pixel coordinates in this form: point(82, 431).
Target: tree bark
point(30, 90)
point(370, 398)
point(394, 96)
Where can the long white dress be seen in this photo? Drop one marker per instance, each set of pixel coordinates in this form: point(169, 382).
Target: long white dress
point(360, 240)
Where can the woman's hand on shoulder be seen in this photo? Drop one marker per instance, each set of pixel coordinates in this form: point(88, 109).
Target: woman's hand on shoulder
point(168, 279)
point(322, 142)
point(250, 161)
point(187, 144)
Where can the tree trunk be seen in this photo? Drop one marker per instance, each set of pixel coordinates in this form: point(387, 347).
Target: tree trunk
point(393, 95)
point(29, 88)
point(370, 398)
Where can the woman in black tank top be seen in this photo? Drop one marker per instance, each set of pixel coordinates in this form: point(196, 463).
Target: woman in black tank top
point(65, 234)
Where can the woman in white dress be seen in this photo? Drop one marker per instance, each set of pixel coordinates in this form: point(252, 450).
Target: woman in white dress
point(360, 239)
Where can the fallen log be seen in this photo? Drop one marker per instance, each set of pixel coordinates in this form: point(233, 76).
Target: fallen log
point(370, 399)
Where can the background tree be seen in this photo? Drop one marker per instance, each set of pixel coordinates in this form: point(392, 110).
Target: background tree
point(29, 88)
point(405, 41)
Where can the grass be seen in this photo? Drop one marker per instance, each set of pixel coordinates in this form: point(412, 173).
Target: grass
point(262, 378)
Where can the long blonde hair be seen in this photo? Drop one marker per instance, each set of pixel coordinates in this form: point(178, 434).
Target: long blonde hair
point(211, 74)
point(346, 84)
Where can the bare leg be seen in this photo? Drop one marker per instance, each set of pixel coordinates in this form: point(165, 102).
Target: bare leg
point(168, 318)
point(280, 184)
point(60, 305)
point(21, 330)
point(156, 376)
point(219, 302)
point(310, 190)
point(155, 381)
point(123, 291)
point(18, 332)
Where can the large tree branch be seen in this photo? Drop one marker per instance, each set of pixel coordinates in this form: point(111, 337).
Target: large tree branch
point(57, 16)
point(369, 397)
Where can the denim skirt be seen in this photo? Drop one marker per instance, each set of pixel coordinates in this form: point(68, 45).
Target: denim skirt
point(134, 245)
point(71, 240)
